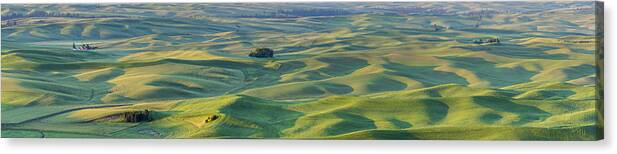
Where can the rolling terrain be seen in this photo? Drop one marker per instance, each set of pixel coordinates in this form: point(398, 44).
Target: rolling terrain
point(361, 71)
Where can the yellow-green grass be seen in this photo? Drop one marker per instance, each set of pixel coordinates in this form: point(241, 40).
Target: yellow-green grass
point(362, 76)
point(408, 114)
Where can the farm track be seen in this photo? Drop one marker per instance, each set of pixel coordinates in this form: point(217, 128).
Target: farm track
point(61, 112)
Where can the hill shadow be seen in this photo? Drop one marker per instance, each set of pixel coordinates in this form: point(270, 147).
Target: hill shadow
point(427, 75)
point(517, 51)
point(488, 71)
point(351, 123)
point(526, 113)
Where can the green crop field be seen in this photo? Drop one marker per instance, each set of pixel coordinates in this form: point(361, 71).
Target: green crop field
point(421, 70)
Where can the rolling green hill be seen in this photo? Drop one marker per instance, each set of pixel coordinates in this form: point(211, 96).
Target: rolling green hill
point(348, 71)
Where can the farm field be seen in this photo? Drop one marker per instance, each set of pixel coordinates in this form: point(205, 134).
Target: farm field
point(415, 70)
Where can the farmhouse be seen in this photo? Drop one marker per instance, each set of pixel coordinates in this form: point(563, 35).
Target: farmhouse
point(489, 41)
point(84, 47)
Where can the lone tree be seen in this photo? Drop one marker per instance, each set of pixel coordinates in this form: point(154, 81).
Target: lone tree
point(262, 53)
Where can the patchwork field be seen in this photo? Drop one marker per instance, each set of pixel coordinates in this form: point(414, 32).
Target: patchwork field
point(339, 71)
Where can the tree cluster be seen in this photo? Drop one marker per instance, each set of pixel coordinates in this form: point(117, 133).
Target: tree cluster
point(490, 40)
point(211, 118)
point(262, 53)
point(137, 116)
